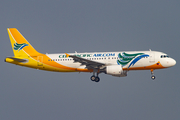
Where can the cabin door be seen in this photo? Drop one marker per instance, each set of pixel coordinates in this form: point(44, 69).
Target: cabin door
point(152, 57)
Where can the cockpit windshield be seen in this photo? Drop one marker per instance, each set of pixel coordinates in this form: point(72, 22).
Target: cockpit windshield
point(164, 56)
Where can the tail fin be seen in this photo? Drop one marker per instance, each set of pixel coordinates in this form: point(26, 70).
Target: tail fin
point(20, 46)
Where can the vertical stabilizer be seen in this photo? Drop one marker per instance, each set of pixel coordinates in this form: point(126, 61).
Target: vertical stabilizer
point(20, 46)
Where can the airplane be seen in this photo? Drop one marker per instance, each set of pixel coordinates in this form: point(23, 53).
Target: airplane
point(111, 63)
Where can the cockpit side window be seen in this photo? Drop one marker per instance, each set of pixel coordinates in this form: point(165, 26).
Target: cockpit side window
point(164, 56)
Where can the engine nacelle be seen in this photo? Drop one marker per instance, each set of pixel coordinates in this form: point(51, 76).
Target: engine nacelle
point(116, 70)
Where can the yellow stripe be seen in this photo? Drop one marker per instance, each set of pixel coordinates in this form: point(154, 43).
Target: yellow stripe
point(31, 54)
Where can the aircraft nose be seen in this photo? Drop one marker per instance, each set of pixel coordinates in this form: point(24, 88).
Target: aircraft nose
point(173, 62)
point(169, 62)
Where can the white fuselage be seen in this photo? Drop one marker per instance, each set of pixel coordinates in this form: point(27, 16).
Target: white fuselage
point(111, 58)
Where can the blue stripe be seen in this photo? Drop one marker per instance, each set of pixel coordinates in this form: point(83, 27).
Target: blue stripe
point(137, 59)
point(22, 47)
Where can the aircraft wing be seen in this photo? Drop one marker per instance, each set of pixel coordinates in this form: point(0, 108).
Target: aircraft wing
point(89, 63)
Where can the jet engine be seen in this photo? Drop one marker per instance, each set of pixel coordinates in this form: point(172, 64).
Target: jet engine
point(116, 70)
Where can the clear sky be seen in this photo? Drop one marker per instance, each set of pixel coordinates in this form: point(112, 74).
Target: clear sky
point(53, 26)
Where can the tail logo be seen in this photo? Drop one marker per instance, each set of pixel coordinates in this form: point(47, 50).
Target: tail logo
point(19, 46)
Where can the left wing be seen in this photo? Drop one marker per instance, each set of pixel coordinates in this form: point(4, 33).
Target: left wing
point(89, 63)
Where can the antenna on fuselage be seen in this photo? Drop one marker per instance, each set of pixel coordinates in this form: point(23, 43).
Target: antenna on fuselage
point(75, 52)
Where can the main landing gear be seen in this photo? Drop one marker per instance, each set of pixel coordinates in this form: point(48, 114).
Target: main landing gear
point(95, 78)
point(152, 73)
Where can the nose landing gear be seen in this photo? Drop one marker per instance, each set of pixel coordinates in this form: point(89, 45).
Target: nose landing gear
point(152, 73)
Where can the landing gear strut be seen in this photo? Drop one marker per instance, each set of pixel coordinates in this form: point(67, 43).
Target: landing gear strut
point(152, 73)
point(95, 78)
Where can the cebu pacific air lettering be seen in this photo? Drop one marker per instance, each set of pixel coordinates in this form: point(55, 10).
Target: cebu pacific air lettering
point(111, 63)
point(90, 55)
point(104, 55)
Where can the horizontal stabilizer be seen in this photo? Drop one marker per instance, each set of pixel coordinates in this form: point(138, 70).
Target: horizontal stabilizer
point(13, 59)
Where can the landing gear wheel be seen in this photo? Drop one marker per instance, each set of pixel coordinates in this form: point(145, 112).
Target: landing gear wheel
point(153, 77)
point(93, 78)
point(152, 73)
point(97, 79)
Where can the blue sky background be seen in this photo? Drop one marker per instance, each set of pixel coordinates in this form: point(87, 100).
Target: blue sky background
point(90, 26)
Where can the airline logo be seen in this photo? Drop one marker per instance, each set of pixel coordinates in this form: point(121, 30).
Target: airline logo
point(125, 58)
point(19, 46)
point(91, 55)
